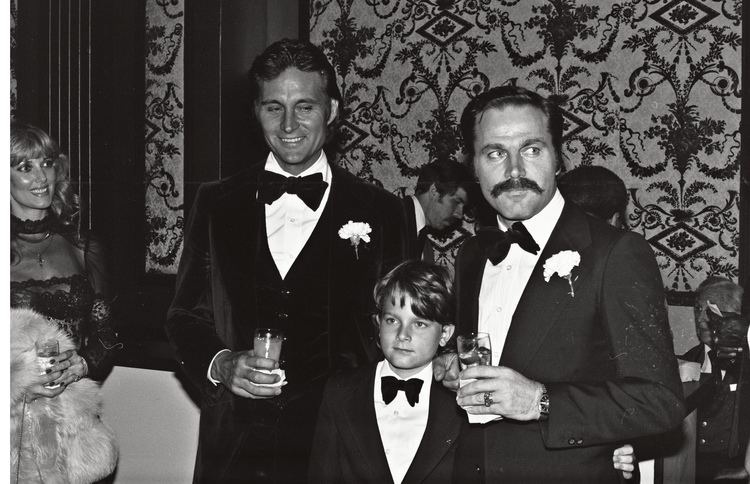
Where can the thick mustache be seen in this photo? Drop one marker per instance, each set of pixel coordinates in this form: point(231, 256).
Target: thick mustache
point(515, 184)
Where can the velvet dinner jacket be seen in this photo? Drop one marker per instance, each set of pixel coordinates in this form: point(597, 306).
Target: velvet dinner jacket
point(347, 445)
point(605, 356)
point(215, 304)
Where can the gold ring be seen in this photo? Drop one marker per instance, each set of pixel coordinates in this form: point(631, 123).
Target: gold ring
point(488, 399)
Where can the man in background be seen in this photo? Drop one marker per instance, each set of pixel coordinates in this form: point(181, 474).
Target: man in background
point(440, 197)
point(723, 399)
point(596, 190)
point(292, 243)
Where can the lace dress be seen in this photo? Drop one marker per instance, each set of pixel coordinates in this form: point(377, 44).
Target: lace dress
point(68, 283)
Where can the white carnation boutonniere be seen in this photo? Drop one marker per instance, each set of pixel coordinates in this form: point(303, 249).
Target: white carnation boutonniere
point(562, 264)
point(355, 232)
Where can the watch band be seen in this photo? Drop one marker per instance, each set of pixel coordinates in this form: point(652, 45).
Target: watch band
point(544, 404)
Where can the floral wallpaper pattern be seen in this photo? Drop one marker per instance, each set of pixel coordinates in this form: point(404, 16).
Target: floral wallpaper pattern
point(13, 82)
point(164, 134)
point(649, 88)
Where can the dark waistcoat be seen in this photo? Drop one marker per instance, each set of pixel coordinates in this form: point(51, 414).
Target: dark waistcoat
point(298, 305)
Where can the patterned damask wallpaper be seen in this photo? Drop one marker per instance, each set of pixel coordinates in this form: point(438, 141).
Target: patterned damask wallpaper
point(164, 134)
point(13, 83)
point(649, 88)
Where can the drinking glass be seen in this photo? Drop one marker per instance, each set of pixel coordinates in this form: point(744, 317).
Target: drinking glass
point(46, 351)
point(267, 343)
point(474, 349)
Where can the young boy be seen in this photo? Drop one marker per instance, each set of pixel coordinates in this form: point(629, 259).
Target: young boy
point(368, 429)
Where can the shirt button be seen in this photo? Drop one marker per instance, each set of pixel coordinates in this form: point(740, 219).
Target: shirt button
point(704, 424)
point(395, 412)
point(702, 441)
point(579, 442)
point(571, 441)
point(508, 267)
point(387, 451)
point(499, 309)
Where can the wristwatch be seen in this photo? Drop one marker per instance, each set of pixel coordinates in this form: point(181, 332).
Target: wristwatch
point(544, 404)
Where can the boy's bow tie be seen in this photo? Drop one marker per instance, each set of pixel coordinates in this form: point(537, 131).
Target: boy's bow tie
point(495, 243)
point(309, 189)
point(390, 386)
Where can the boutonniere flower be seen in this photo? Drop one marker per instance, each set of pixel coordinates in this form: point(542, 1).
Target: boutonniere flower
point(562, 264)
point(355, 232)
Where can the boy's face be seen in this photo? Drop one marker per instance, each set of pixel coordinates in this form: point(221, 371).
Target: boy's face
point(409, 342)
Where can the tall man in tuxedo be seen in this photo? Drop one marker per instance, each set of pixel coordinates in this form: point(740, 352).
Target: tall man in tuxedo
point(580, 362)
point(263, 249)
point(442, 193)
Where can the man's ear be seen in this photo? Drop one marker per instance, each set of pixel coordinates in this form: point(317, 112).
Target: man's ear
point(434, 192)
point(334, 111)
point(448, 330)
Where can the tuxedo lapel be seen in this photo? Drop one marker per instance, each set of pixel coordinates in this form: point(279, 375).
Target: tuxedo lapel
point(542, 303)
point(235, 232)
point(443, 426)
point(360, 432)
point(469, 272)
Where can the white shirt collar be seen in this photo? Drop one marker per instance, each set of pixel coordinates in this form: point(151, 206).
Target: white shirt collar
point(540, 226)
point(320, 166)
point(419, 213)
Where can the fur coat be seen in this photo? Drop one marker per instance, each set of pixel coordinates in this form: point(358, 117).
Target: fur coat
point(61, 439)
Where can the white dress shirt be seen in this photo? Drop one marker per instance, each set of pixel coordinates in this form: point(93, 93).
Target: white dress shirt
point(503, 284)
point(401, 425)
point(289, 222)
point(419, 215)
point(707, 367)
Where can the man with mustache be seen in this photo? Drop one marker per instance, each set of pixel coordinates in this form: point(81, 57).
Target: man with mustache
point(442, 194)
point(582, 352)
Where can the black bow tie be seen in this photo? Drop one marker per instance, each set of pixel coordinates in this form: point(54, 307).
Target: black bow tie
point(309, 189)
point(495, 243)
point(390, 385)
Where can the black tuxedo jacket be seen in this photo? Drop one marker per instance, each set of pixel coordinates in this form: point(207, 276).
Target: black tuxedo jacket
point(215, 304)
point(605, 356)
point(714, 397)
point(347, 445)
point(413, 249)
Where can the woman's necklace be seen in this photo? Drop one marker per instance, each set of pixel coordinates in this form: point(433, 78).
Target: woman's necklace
point(40, 254)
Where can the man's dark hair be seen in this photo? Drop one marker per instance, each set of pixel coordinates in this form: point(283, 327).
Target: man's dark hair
point(299, 54)
point(447, 176)
point(595, 189)
point(504, 96)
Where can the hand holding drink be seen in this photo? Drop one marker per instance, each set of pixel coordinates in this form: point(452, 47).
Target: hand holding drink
point(267, 344)
point(46, 352)
point(474, 349)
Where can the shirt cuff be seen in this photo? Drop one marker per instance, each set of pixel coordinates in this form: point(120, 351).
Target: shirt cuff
point(211, 365)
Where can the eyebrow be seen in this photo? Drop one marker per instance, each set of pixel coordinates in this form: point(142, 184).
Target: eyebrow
point(298, 101)
point(526, 142)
